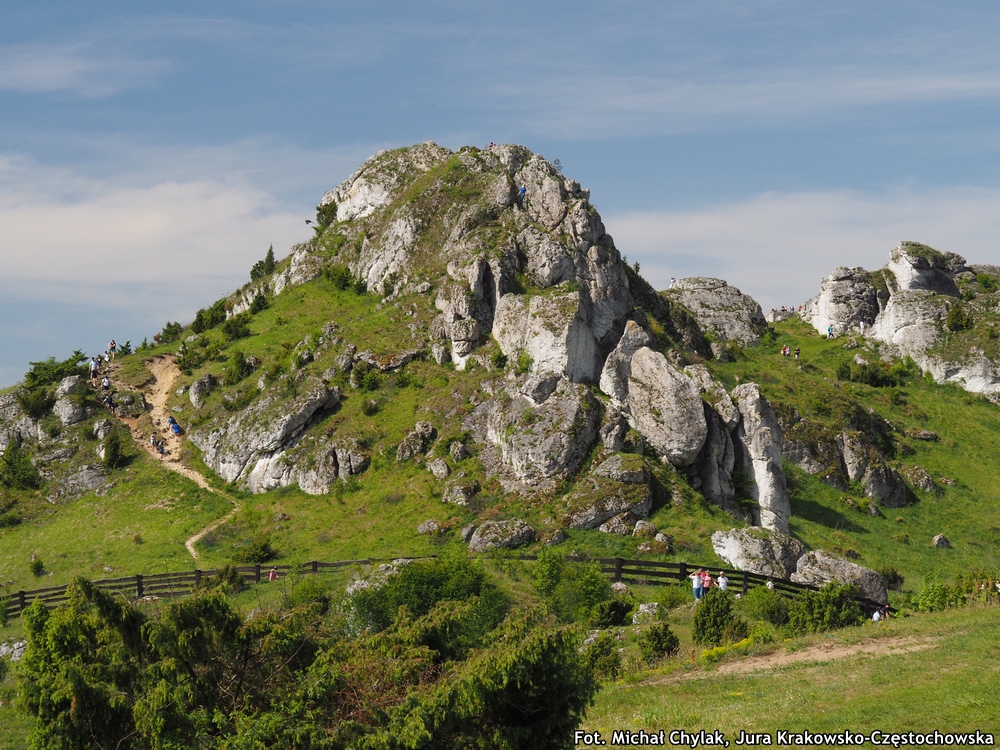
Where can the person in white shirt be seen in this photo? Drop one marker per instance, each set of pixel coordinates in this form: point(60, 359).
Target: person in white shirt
point(722, 581)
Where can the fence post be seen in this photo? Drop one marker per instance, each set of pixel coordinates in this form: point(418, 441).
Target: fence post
point(256, 573)
point(315, 566)
point(138, 586)
point(684, 571)
point(746, 583)
point(618, 569)
point(20, 601)
point(197, 577)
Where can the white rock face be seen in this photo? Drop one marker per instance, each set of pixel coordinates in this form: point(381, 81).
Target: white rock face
point(501, 534)
point(68, 412)
point(15, 425)
point(767, 553)
point(720, 308)
point(819, 567)
point(715, 394)
point(847, 299)
point(250, 445)
point(552, 330)
point(657, 399)
point(761, 439)
point(916, 266)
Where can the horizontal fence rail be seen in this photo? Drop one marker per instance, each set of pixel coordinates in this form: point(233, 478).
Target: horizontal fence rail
point(183, 583)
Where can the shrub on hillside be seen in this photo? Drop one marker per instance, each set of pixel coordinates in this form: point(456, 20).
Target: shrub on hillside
point(259, 303)
point(602, 658)
point(762, 603)
point(49, 371)
point(16, 470)
point(258, 550)
point(226, 578)
point(114, 450)
point(36, 403)
point(713, 615)
point(610, 613)
point(207, 318)
point(737, 630)
point(237, 368)
point(170, 332)
point(833, 606)
point(658, 641)
point(326, 214)
point(959, 318)
point(237, 327)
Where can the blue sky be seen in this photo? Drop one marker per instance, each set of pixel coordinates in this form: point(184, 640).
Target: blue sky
point(150, 152)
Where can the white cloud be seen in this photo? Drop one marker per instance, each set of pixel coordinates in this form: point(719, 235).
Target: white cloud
point(85, 68)
point(779, 246)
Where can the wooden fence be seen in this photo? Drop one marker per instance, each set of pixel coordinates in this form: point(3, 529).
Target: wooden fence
point(636, 572)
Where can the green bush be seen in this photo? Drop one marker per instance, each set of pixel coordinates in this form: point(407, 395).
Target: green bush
point(833, 606)
point(959, 319)
point(37, 567)
point(258, 550)
point(761, 603)
point(524, 363)
point(370, 381)
point(499, 360)
point(114, 450)
point(712, 616)
point(342, 278)
point(211, 317)
point(170, 332)
point(658, 641)
point(673, 596)
point(226, 578)
point(16, 470)
point(933, 596)
point(49, 371)
point(610, 613)
point(310, 590)
point(737, 630)
point(602, 658)
point(238, 368)
point(4, 616)
point(36, 402)
point(326, 214)
point(237, 327)
point(547, 571)
point(259, 303)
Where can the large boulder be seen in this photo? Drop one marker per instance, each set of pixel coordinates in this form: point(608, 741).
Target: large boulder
point(767, 553)
point(819, 568)
point(720, 308)
point(501, 535)
point(917, 266)
point(597, 499)
point(200, 390)
point(15, 425)
point(847, 301)
point(533, 446)
point(759, 453)
point(657, 399)
point(68, 411)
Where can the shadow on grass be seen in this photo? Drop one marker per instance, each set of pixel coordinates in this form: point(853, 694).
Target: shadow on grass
point(817, 513)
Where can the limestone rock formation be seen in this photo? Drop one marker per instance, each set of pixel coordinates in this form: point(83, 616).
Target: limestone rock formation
point(501, 534)
point(200, 390)
point(597, 500)
point(720, 308)
point(759, 453)
point(532, 445)
point(847, 299)
point(251, 441)
point(659, 401)
point(760, 551)
point(15, 425)
point(819, 567)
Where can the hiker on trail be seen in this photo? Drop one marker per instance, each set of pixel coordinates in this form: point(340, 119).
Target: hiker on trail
point(112, 348)
point(273, 575)
point(696, 584)
point(520, 196)
point(175, 428)
point(798, 351)
point(722, 581)
point(95, 369)
point(829, 331)
point(108, 401)
point(106, 383)
point(706, 582)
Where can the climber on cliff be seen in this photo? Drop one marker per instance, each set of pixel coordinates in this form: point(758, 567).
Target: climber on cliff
point(520, 196)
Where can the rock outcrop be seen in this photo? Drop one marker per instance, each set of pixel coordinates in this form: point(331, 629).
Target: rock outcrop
point(250, 445)
point(759, 454)
point(657, 399)
point(532, 446)
point(767, 553)
point(501, 535)
point(819, 567)
point(847, 301)
point(722, 309)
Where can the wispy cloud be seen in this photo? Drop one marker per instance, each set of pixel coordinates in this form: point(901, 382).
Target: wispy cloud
point(82, 68)
point(779, 247)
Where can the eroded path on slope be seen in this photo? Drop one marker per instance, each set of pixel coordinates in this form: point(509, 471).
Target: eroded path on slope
point(165, 372)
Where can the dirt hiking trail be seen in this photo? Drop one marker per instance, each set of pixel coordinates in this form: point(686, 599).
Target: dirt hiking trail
point(164, 374)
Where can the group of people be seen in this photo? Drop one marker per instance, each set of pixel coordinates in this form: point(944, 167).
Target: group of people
point(158, 444)
point(787, 351)
point(702, 581)
point(787, 309)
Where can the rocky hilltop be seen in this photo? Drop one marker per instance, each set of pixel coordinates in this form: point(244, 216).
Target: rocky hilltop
point(446, 336)
point(924, 304)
